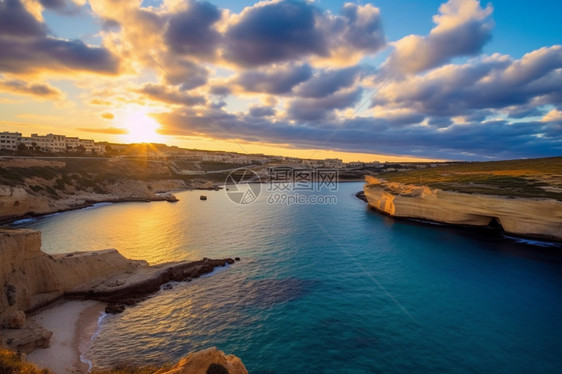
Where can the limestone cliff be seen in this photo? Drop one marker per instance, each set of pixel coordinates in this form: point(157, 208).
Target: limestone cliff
point(30, 186)
point(17, 201)
point(30, 278)
point(210, 360)
point(538, 218)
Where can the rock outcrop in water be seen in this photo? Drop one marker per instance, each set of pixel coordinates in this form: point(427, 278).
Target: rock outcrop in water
point(536, 218)
point(30, 278)
point(208, 361)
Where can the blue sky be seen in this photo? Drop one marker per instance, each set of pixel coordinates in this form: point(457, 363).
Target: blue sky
point(457, 79)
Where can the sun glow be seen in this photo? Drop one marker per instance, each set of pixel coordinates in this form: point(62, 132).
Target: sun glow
point(142, 128)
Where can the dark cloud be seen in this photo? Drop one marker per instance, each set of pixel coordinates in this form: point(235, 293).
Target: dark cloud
point(328, 82)
point(220, 90)
point(16, 21)
point(469, 141)
point(192, 31)
point(320, 109)
point(275, 31)
point(362, 27)
point(496, 82)
point(261, 111)
point(28, 48)
point(183, 72)
point(170, 95)
point(272, 32)
point(61, 6)
point(279, 80)
point(34, 89)
point(109, 24)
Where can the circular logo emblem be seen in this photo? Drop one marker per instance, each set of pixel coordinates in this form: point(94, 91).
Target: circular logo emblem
point(243, 186)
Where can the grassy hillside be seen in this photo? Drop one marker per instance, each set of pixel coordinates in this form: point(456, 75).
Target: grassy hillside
point(540, 178)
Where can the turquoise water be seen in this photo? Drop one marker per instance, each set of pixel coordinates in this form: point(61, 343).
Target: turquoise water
point(326, 288)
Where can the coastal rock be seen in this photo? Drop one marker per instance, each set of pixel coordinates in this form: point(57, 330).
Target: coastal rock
point(37, 196)
point(14, 320)
point(210, 360)
point(113, 308)
point(32, 279)
point(536, 218)
point(26, 339)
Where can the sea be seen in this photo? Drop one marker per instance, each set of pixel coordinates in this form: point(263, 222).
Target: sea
point(324, 286)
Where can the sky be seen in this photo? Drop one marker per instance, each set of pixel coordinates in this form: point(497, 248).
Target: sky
point(383, 80)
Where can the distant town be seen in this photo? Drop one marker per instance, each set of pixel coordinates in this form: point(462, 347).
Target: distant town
point(183, 161)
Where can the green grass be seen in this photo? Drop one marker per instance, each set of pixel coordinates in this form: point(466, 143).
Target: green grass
point(517, 178)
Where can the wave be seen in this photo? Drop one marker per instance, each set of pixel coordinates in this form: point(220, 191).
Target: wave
point(539, 243)
point(83, 356)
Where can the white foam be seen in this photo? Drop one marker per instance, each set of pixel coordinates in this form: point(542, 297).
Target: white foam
point(83, 356)
point(538, 243)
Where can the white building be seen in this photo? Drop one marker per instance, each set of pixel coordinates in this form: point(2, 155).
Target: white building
point(99, 148)
point(88, 144)
point(49, 142)
point(10, 140)
point(72, 144)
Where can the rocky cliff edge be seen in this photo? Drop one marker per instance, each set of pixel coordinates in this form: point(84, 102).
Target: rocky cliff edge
point(30, 279)
point(527, 217)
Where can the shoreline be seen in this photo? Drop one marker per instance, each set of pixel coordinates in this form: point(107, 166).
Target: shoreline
point(74, 324)
point(89, 204)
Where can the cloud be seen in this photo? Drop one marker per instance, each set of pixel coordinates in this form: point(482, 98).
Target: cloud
point(66, 7)
point(496, 82)
point(462, 28)
point(40, 90)
point(290, 30)
point(16, 21)
point(261, 111)
point(192, 32)
point(170, 95)
point(104, 130)
point(100, 102)
point(107, 115)
point(31, 49)
point(468, 141)
point(328, 82)
point(182, 71)
point(314, 109)
point(278, 80)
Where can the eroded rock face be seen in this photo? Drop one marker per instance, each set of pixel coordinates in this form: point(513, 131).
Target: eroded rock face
point(537, 218)
point(208, 361)
point(32, 278)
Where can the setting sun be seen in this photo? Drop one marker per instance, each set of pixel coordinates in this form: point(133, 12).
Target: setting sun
point(141, 128)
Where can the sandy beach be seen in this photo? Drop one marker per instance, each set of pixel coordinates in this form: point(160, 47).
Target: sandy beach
point(73, 324)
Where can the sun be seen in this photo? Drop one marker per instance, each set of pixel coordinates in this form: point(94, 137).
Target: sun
point(142, 128)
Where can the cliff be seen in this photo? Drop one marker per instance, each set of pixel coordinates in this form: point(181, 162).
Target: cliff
point(207, 361)
point(528, 217)
point(210, 360)
point(36, 187)
point(31, 278)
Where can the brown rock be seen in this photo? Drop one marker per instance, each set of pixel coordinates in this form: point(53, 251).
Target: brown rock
point(15, 320)
point(209, 359)
point(539, 218)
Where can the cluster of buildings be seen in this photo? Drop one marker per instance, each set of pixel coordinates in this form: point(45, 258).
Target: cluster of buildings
point(51, 143)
